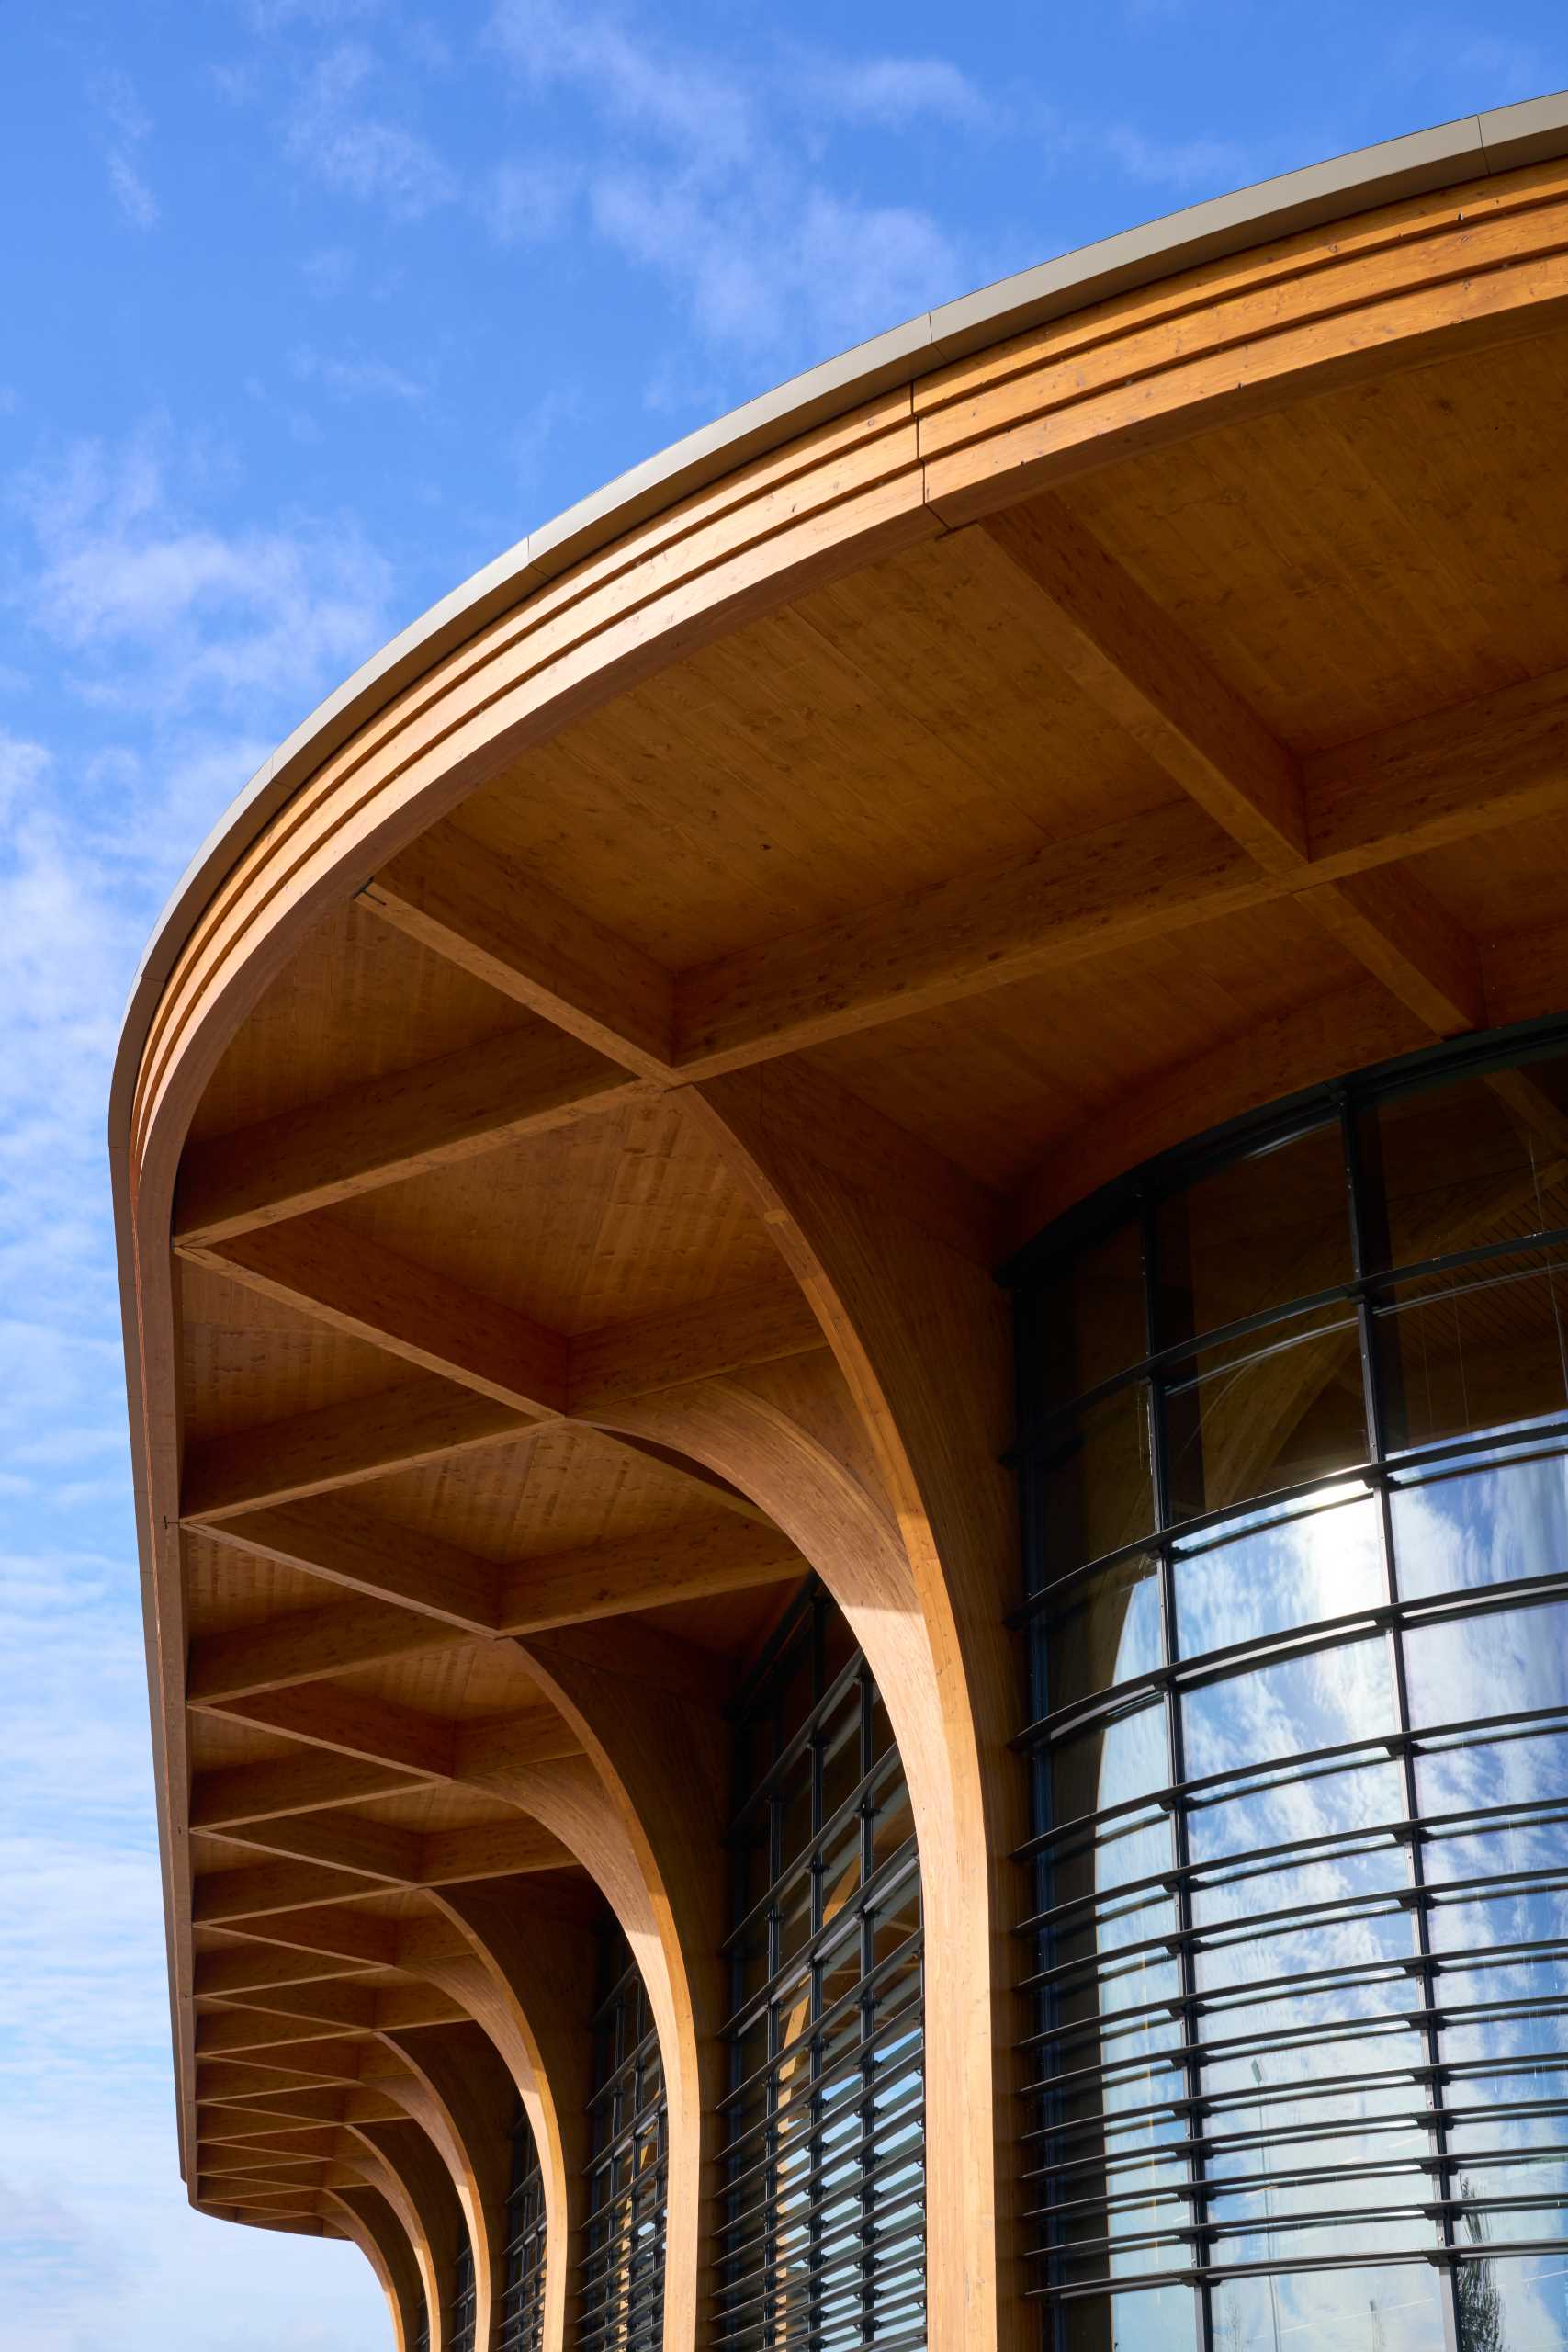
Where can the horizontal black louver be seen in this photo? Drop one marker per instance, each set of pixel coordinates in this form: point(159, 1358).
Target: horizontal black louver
point(1294, 1463)
point(522, 2325)
point(622, 2296)
point(822, 2241)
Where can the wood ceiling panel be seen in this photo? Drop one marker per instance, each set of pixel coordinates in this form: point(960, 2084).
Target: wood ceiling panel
point(435, 1807)
point(909, 715)
point(992, 1080)
point(733, 1628)
point(1517, 886)
point(1368, 555)
point(555, 1490)
point(593, 1223)
point(358, 1000)
point(226, 1588)
point(248, 1359)
point(463, 1685)
point(216, 1742)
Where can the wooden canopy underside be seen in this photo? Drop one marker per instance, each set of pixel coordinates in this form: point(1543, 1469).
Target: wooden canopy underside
point(589, 1115)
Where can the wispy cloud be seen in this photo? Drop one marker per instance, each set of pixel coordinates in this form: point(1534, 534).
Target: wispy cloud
point(129, 129)
point(183, 646)
point(527, 203)
point(1175, 163)
point(335, 134)
point(212, 618)
point(700, 177)
point(891, 93)
point(355, 376)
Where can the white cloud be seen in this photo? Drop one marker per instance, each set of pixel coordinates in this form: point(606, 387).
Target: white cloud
point(210, 617)
point(816, 271)
point(183, 647)
point(1175, 163)
point(701, 177)
point(335, 137)
point(129, 128)
point(132, 192)
point(676, 96)
point(893, 92)
point(526, 203)
point(327, 271)
point(354, 378)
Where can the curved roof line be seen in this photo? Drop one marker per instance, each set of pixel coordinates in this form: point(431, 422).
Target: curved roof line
point(1534, 131)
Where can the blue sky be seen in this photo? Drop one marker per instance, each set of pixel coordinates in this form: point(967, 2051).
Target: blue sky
point(308, 308)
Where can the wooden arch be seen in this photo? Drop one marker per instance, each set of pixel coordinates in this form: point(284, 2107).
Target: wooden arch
point(567, 1134)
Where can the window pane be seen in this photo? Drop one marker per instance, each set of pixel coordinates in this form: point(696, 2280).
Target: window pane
point(1108, 1763)
point(1252, 1235)
point(1326, 1563)
point(1096, 1484)
point(1291, 1411)
point(1105, 1629)
point(1291, 1707)
point(1398, 2308)
point(1463, 1164)
point(1489, 1527)
point(1345, 1795)
point(1090, 1321)
point(1476, 1350)
point(1157, 2318)
point(1515, 2306)
point(1502, 1661)
point(1522, 1768)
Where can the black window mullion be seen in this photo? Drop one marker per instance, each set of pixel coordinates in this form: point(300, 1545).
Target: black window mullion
point(1368, 1240)
point(1175, 1762)
point(825, 2210)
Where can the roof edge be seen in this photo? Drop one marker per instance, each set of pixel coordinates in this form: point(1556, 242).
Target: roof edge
point(1504, 139)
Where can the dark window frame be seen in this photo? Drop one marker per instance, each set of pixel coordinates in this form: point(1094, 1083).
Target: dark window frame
point(805, 2254)
point(1192, 2124)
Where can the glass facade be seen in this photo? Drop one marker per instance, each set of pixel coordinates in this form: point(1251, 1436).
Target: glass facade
point(1293, 1451)
point(464, 2305)
point(622, 2300)
point(822, 2230)
point(522, 2325)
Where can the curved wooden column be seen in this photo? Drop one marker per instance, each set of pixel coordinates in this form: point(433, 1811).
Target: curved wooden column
point(463, 2071)
point(650, 1808)
point(379, 2172)
point(535, 2006)
point(370, 2221)
point(896, 1494)
point(427, 2179)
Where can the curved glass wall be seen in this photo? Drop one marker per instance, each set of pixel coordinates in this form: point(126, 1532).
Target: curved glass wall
point(622, 2301)
point(1294, 1462)
point(822, 2238)
point(464, 2313)
point(522, 2325)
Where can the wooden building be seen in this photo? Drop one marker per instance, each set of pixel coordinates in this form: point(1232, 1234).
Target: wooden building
point(842, 1219)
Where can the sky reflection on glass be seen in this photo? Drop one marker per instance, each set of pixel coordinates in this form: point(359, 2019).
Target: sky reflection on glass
point(1344, 1848)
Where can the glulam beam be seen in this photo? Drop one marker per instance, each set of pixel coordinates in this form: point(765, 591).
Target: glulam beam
point(497, 922)
point(384, 1130)
point(354, 1285)
point(1259, 825)
point(693, 1560)
point(1126, 653)
point(482, 1374)
point(422, 1420)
